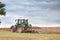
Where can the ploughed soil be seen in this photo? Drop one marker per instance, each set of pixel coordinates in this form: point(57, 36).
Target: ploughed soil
point(41, 29)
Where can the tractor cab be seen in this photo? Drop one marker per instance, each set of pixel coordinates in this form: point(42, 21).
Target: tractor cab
point(22, 22)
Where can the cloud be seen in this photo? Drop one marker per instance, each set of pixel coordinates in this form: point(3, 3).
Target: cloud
point(39, 12)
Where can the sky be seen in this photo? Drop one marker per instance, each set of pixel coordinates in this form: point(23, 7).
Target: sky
point(42, 13)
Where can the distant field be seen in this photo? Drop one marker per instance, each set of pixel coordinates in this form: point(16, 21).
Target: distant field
point(6, 35)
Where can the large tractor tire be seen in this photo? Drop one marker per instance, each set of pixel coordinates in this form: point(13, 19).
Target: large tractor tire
point(12, 29)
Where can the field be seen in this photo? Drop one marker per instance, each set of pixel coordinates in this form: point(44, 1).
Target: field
point(6, 35)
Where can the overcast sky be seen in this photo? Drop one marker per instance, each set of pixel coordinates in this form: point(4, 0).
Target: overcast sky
point(39, 12)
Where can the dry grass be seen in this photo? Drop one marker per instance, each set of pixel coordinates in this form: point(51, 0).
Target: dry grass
point(6, 35)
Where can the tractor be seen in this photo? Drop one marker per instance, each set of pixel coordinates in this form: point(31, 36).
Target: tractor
point(20, 26)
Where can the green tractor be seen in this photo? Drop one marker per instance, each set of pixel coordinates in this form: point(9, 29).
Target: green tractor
point(20, 26)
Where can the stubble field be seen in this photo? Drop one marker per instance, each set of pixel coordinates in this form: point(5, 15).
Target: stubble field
point(6, 35)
